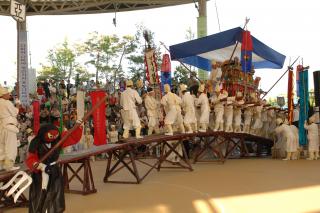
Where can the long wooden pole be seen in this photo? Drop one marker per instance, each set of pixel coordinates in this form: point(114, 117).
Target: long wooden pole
point(281, 77)
point(185, 66)
point(85, 117)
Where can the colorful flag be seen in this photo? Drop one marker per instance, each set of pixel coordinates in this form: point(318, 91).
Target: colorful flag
point(165, 71)
point(246, 51)
point(166, 63)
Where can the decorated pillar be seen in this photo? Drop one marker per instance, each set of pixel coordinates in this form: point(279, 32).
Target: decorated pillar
point(99, 118)
point(18, 13)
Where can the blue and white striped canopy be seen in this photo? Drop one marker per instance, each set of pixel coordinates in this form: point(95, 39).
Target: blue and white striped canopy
point(200, 52)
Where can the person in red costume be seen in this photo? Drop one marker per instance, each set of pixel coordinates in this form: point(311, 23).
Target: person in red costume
point(46, 193)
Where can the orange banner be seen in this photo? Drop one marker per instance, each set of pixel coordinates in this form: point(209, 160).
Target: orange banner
point(290, 96)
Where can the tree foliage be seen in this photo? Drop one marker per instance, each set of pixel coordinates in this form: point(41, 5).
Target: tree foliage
point(62, 63)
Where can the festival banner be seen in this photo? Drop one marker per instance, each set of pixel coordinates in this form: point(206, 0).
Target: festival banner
point(23, 68)
point(246, 51)
point(290, 96)
point(299, 69)
point(99, 118)
point(36, 116)
point(151, 67)
point(304, 105)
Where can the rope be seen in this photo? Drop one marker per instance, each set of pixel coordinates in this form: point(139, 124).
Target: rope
point(215, 3)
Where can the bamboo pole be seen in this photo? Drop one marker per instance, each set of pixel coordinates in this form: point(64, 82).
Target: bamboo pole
point(62, 140)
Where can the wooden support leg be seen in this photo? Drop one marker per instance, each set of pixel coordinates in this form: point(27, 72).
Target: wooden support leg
point(86, 181)
point(120, 159)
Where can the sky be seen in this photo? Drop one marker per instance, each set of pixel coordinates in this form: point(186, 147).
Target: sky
point(289, 27)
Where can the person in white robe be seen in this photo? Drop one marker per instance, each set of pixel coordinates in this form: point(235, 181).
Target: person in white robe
point(153, 111)
point(128, 100)
point(313, 138)
point(8, 131)
point(172, 106)
point(188, 106)
point(203, 103)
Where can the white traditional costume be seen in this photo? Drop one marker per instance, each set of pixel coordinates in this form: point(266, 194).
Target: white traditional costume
point(313, 139)
point(8, 132)
point(203, 102)
point(172, 106)
point(188, 106)
point(130, 117)
point(153, 112)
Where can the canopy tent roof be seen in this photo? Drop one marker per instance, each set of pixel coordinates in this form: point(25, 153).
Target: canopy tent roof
point(200, 52)
point(67, 7)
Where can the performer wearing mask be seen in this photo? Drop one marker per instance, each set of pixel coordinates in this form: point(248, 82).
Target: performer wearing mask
point(130, 117)
point(189, 109)
point(203, 102)
point(153, 111)
point(8, 131)
point(171, 103)
point(46, 193)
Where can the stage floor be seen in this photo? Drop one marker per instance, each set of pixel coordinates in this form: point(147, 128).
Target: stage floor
point(244, 185)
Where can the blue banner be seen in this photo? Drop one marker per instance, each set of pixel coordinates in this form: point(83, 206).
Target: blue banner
point(304, 105)
point(165, 79)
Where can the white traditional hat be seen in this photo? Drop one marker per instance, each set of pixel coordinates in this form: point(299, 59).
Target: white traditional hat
point(166, 88)
point(279, 121)
point(239, 94)
point(312, 119)
point(3, 91)
point(183, 87)
point(201, 88)
point(129, 83)
point(217, 89)
point(29, 130)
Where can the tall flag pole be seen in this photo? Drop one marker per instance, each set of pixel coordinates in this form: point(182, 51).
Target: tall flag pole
point(290, 95)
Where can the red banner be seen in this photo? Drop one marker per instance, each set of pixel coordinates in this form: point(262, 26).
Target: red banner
point(99, 118)
point(290, 96)
point(166, 63)
point(36, 116)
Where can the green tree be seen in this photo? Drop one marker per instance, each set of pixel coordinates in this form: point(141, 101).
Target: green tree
point(103, 52)
point(62, 63)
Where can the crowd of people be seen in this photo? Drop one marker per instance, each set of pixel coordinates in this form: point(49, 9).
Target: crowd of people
point(138, 110)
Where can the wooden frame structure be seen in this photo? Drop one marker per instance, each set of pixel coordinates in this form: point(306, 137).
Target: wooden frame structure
point(125, 155)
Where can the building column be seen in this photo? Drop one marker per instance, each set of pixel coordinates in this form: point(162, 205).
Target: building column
point(202, 31)
point(22, 63)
